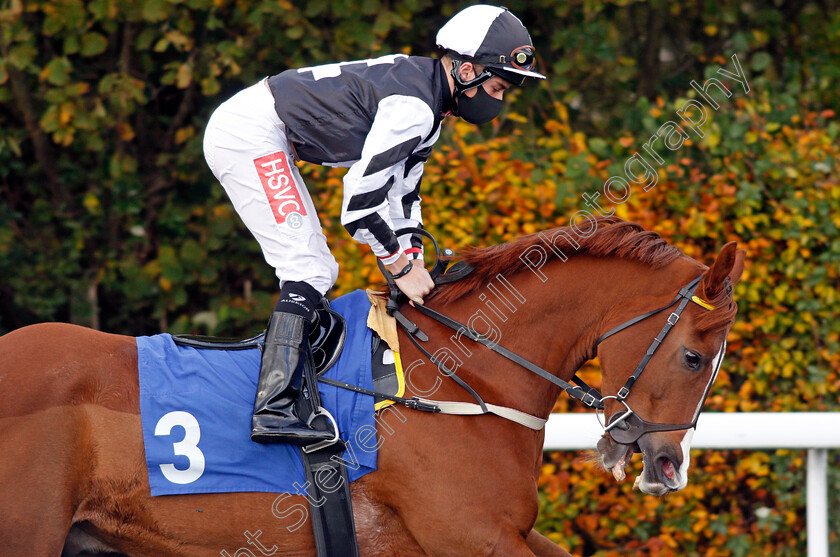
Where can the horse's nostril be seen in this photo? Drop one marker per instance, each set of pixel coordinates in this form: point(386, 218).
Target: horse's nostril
point(668, 469)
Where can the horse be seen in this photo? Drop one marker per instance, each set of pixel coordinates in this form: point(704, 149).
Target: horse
point(73, 473)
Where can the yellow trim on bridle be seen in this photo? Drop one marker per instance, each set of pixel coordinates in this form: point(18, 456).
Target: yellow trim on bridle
point(702, 303)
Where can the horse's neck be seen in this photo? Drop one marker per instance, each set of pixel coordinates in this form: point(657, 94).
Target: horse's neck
point(553, 319)
point(553, 323)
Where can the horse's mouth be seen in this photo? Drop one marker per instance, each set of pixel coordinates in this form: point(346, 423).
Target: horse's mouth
point(615, 457)
point(661, 473)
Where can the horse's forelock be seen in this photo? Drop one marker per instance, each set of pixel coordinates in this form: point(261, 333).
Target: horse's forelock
point(723, 316)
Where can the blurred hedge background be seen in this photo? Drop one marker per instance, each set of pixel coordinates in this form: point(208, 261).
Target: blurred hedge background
point(109, 217)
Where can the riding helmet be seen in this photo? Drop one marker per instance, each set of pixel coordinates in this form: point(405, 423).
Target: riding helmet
point(492, 37)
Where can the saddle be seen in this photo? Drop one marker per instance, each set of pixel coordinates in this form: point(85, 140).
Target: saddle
point(326, 337)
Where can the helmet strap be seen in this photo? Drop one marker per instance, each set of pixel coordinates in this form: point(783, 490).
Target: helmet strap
point(460, 84)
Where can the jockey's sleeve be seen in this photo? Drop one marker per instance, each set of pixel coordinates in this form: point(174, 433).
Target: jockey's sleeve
point(375, 185)
point(404, 203)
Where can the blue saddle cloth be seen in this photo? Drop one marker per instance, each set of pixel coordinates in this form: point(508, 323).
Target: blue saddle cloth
point(196, 407)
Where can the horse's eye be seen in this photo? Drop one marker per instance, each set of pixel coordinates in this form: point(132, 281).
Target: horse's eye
point(692, 359)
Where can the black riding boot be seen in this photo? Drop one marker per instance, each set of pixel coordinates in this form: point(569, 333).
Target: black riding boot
point(281, 375)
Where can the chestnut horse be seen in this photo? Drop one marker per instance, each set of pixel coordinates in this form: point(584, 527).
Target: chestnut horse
point(73, 477)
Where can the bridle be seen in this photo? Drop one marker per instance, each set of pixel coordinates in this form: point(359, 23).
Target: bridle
point(625, 427)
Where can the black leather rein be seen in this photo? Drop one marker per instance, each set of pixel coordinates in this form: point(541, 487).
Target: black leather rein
point(624, 427)
point(581, 391)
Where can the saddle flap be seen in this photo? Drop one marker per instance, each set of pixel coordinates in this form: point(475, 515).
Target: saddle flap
point(326, 337)
point(386, 368)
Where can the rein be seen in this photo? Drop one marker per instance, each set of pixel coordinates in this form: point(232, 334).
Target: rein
point(581, 391)
point(589, 396)
point(625, 427)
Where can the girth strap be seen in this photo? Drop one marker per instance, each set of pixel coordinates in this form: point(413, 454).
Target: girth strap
point(331, 510)
point(330, 505)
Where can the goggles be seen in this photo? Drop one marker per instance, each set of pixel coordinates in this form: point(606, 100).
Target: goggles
point(521, 58)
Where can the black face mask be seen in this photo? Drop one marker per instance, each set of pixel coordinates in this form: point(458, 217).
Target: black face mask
point(480, 108)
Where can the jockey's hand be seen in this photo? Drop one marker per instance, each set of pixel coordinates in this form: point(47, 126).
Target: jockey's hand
point(417, 283)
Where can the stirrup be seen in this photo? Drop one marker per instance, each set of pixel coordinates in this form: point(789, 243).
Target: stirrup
point(326, 442)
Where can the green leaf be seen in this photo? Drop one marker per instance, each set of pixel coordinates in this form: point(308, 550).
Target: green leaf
point(576, 166)
point(103, 9)
point(52, 25)
point(171, 268)
point(314, 8)
point(22, 55)
point(192, 254)
point(760, 61)
point(57, 72)
point(71, 44)
point(93, 44)
point(382, 25)
point(210, 86)
point(154, 10)
point(599, 147)
point(144, 40)
point(295, 32)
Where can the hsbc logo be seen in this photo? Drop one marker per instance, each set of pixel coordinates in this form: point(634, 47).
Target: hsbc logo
point(280, 187)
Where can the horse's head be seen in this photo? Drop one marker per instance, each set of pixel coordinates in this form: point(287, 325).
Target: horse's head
point(658, 415)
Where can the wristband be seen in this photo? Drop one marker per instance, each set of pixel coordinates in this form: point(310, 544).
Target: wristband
point(405, 271)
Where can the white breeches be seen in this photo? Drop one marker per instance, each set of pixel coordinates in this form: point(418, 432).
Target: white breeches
point(246, 147)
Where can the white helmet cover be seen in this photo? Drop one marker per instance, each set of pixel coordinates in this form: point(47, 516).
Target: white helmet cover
point(493, 37)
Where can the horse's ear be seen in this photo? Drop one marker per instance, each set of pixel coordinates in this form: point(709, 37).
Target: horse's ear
point(738, 267)
point(728, 265)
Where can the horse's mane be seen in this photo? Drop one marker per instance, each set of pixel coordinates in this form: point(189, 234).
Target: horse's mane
point(614, 237)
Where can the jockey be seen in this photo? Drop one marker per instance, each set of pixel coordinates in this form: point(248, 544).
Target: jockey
point(378, 117)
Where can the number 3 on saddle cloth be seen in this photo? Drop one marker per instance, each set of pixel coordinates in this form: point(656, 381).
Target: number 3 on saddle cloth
point(196, 407)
